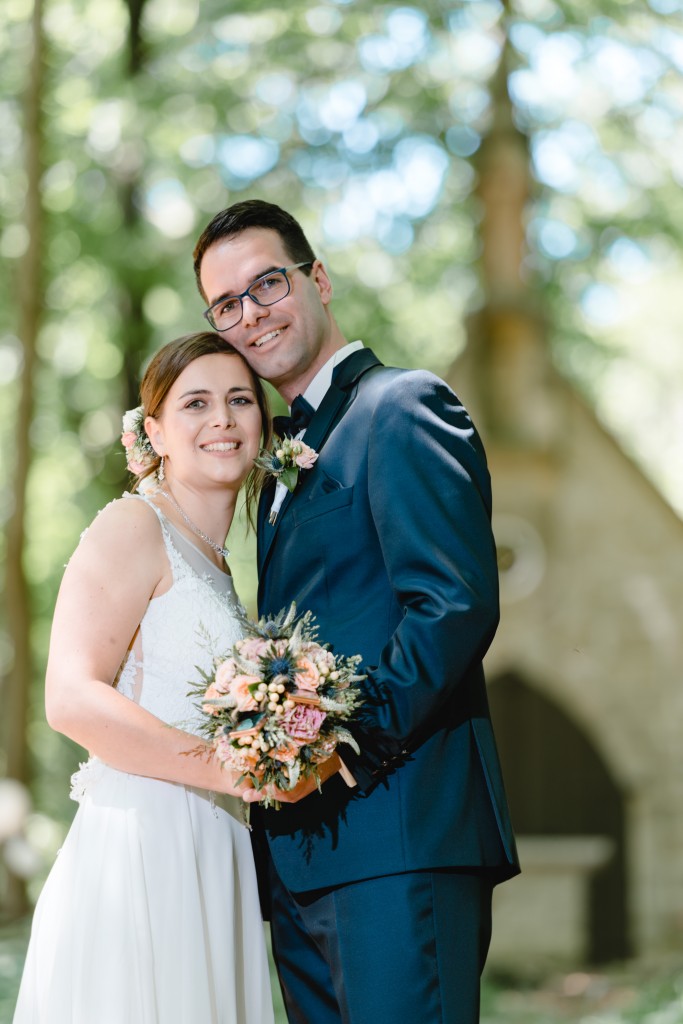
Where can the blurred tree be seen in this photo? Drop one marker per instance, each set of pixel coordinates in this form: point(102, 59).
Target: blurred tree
point(16, 685)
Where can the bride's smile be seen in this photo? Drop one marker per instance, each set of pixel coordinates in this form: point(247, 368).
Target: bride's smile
point(209, 429)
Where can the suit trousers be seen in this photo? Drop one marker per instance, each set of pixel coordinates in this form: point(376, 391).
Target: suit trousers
point(400, 949)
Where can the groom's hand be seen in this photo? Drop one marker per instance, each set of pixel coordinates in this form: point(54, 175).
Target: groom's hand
point(302, 789)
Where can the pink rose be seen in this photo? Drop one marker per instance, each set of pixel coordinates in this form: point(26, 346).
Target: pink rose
point(214, 692)
point(220, 686)
point(240, 693)
point(303, 723)
point(136, 467)
point(252, 648)
point(242, 759)
point(307, 676)
point(306, 457)
point(319, 654)
point(324, 658)
point(128, 439)
point(225, 673)
point(312, 648)
point(286, 752)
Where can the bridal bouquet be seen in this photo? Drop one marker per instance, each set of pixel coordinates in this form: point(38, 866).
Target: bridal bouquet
point(276, 705)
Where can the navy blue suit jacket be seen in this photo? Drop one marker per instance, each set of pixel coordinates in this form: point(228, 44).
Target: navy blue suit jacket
point(387, 540)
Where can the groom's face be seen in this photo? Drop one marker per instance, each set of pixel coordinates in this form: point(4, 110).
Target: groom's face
point(285, 343)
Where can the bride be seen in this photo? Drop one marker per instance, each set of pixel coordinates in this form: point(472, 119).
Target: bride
point(150, 914)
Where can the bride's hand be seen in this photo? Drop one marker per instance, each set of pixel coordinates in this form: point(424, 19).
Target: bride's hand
point(302, 789)
point(227, 782)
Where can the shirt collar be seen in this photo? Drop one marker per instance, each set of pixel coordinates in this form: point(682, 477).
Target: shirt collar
point(315, 392)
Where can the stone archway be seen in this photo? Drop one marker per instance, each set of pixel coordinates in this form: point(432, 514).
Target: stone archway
point(559, 785)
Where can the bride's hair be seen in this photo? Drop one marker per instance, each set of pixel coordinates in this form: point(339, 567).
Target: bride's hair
point(163, 371)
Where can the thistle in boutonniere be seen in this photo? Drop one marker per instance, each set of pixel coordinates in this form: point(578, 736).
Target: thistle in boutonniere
point(285, 460)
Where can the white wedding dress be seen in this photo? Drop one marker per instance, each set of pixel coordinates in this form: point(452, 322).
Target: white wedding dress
point(150, 914)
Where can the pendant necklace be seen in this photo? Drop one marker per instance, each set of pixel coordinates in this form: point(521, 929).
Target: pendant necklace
point(195, 529)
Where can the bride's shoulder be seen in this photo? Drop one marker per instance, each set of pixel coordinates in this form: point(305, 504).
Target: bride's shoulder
point(126, 525)
point(120, 557)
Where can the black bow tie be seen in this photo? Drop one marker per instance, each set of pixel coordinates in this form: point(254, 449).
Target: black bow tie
point(299, 418)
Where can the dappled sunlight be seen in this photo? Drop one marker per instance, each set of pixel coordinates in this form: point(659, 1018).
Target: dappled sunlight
point(244, 158)
point(169, 208)
point(403, 41)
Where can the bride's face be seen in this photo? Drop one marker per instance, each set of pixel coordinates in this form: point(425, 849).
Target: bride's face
point(209, 428)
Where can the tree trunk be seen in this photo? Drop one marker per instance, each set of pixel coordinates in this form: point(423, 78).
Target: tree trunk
point(135, 334)
point(19, 678)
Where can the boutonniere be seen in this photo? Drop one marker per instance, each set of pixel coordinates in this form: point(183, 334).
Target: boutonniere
point(286, 458)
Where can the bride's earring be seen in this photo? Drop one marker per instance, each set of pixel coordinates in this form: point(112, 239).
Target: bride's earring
point(160, 470)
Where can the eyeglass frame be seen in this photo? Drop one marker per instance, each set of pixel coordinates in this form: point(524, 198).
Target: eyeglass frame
point(208, 313)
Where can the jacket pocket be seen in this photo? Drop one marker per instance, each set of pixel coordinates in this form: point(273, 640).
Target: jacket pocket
point(320, 506)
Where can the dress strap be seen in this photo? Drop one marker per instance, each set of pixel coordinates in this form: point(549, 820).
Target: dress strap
point(187, 560)
point(176, 560)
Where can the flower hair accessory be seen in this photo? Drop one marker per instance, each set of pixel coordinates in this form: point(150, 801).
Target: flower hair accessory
point(139, 452)
point(285, 460)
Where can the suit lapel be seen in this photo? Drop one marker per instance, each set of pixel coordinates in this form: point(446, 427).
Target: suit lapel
point(351, 369)
point(326, 416)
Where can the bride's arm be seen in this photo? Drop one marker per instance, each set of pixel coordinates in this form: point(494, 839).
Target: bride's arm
point(118, 566)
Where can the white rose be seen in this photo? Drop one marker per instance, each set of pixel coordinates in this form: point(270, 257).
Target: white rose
point(130, 419)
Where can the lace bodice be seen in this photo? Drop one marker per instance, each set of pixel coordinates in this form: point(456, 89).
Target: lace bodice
point(181, 631)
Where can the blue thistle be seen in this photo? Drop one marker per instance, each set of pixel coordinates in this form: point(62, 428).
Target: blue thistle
point(281, 666)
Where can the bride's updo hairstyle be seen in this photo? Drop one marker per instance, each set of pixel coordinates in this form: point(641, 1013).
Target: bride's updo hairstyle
point(162, 373)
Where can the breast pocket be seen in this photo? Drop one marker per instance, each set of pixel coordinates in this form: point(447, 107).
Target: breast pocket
point(322, 505)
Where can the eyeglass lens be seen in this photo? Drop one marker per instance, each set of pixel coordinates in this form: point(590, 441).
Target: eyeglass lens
point(265, 292)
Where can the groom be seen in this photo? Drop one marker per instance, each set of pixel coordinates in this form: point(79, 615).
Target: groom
point(380, 886)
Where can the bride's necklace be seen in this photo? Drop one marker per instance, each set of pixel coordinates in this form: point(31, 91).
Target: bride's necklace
point(195, 529)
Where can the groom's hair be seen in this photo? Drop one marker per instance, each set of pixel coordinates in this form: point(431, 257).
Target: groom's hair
point(254, 213)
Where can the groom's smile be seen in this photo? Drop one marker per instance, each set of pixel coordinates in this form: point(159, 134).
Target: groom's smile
point(260, 342)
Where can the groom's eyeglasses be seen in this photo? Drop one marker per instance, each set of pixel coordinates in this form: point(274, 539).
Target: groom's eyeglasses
point(264, 291)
